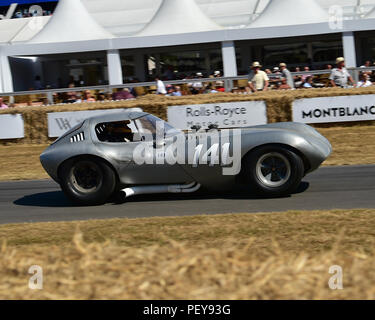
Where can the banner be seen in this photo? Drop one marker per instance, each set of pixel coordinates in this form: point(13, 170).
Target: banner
point(11, 126)
point(61, 122)
point(334, 109)
point(225, 115)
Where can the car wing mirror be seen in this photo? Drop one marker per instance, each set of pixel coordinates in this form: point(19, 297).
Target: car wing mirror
point(137, 137)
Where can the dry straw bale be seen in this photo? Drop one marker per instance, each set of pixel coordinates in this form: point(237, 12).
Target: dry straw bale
point(248, 256)
point(178, 271)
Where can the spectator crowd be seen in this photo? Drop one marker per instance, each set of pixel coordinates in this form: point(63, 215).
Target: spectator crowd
point(279, 78)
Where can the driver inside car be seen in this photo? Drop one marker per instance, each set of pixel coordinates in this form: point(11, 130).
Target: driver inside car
point(120, 132)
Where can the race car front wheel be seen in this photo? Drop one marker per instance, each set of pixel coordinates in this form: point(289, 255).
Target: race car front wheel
point(273, 170)
point(87, 181)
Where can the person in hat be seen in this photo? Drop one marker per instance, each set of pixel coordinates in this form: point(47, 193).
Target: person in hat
point(217, 74)
point(276, 70)
point(258, 79)
point(198, 86)
point(287, 75)
point(340, 76)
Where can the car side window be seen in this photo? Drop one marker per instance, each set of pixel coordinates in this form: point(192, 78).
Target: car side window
point(117, 132)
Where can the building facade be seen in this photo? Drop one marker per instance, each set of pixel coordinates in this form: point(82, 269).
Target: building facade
point(118, 41)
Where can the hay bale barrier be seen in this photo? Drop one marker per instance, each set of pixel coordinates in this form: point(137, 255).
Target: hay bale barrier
point(279, 107)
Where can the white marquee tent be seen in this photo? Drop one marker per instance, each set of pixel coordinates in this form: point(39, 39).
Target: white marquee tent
point(291, 12)
point(182, 16)
point(71, 22)
point(21, 30)
point(371, 14)
point(112, 25)
point(122, 18)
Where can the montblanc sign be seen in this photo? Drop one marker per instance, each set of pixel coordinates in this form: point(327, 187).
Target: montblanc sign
point(334, 109)
point(224, 115)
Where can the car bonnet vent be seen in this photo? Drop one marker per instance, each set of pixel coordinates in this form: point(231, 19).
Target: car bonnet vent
point(77, 137)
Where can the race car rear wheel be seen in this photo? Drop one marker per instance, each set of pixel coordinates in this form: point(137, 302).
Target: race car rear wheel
point(273, 170)
point(87, 181)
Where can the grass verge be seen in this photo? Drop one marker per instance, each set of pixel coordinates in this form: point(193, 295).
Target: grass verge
point(244, 256)
point(352, 146)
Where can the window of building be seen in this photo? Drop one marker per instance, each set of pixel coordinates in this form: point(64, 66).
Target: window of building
point(325, 52)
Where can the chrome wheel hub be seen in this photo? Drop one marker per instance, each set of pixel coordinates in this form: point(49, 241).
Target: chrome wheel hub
point(273, 169)
point(86, 176)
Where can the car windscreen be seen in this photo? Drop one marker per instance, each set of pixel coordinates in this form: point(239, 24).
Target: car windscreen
point(150, 123)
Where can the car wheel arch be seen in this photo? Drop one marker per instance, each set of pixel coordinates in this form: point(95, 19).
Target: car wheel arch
point(88, 157)
point(306, 162)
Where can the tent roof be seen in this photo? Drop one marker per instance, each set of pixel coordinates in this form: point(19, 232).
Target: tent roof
point(98, 19)
point(371, 14)
point(291, 12)
point(182, 16)
point(31, 28)
point(71, 22)
point(127, 17)
point(122, 17)
point(9, 28)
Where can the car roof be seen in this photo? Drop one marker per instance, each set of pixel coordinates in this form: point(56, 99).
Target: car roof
point(118, 116)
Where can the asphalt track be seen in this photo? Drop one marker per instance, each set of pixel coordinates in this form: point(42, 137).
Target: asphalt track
point(328, 188)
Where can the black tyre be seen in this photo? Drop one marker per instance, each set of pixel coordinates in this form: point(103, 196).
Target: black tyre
point(87, 181)
point(273, 171)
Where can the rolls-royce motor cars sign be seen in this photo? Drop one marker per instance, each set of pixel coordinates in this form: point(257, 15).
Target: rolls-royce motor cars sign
point(334, 109)
point(224, 115)
point(61, 122)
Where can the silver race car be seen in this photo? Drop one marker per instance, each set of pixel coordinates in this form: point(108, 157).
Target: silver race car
point(134, 153)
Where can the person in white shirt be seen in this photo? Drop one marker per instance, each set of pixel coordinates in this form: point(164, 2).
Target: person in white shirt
point(340, 75)
point(364, 81)
point(160, 86)
point(257, 79)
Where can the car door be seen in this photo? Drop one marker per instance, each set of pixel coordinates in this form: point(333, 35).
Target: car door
point(207, 153)
point(156, 169)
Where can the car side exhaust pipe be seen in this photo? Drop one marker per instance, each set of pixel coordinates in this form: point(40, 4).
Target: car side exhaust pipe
point(174, 188)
